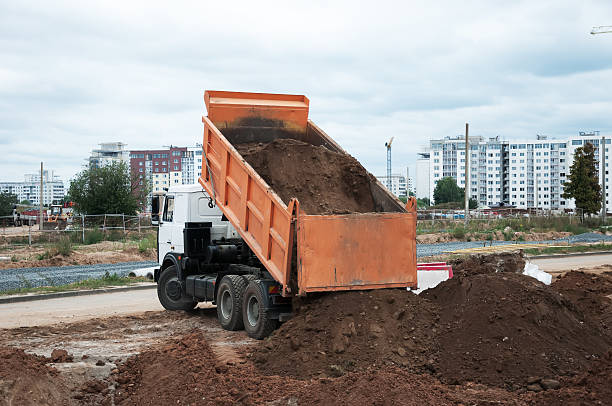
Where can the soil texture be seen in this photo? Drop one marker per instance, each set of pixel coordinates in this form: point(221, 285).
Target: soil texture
point(323, 181)
point(500, 329)
point(26, 379)
point(352, 331)
point(592, 294)
point(512, 262)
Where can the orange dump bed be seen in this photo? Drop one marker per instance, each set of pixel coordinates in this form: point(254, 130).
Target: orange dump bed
point(304, 253)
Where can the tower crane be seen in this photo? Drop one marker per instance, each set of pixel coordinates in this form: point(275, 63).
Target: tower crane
point(388, 145)
point(602, 29)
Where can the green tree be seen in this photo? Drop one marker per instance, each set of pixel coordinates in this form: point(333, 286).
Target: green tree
point(447, 191)
point(583, 182)
point(472, 203)
point(26, 202)
point(7, 201)
point(105, 190)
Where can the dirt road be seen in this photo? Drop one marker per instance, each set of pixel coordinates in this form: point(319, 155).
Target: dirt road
point(77, 308)
point(596, 263)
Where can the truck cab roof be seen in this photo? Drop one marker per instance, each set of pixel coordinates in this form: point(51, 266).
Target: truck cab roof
point(186, 188)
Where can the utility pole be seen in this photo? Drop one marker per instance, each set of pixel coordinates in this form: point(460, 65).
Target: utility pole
point(40, 200)
point(467, 169)
point(603, 180)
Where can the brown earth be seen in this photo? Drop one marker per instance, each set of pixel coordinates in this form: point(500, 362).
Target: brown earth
point(352, 331)
point(480, 338)
point(512, 262)
point(592, 294)
point(26, 379)
point(105, 252)
point(501, 328)
point(433, 238)
point(323, 181)
point(592, 387)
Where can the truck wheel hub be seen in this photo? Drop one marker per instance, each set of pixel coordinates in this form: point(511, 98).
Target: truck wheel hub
point(173, 290)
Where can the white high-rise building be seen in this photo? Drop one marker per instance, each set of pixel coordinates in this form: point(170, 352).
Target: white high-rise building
point(398, 184)
point(53, 188)
point(108, 153)
point(422, 183)
point(524, 174)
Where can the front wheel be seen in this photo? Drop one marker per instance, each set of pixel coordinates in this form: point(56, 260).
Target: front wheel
point(170, 292)
point(257, 321)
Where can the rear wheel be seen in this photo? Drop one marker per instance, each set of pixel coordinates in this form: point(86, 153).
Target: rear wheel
point(170, 293)
point(257, 321)
point(229, 301)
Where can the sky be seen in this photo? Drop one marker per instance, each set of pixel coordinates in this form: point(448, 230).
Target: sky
point(75, 74)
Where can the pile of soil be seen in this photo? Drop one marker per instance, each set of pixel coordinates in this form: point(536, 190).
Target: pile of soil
point(588, 388)
point(350, 331)
point(25, 379)
point(323, 181)
point(590, 293)
point(186, 369)
point(512, 262)
point(502, 329)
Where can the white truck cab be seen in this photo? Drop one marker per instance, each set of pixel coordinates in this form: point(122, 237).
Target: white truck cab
point(202, 258)
point(187, 204)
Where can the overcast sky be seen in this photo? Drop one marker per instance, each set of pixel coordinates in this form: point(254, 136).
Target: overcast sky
point(74, 74)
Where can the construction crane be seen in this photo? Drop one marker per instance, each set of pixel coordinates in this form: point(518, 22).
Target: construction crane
point(388, 145)
point(602, 29)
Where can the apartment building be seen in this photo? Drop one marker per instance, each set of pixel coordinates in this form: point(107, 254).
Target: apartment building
point(398, 185)
point(524, 174)
point(53, 188)
point(108, 153)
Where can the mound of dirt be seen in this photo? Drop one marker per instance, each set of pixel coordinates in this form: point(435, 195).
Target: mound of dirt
point(186, 369)
point(512, 262)
point(590, 293)
point(501, 329)
point(592, 387)
point(349, 331)
point(26, 379)
point(323, 181)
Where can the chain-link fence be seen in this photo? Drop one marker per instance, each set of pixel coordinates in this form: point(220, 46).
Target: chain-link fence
point(79, 228)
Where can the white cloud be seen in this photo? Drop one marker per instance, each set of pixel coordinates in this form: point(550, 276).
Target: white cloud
point(73, 75)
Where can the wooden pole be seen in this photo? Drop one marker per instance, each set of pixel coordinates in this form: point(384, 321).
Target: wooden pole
point(40, 199)
point(467, 170)
point(603, 180)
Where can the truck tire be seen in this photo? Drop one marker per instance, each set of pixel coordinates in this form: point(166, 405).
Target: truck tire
point(257, 321)
point(169, 291)
point(229, 302)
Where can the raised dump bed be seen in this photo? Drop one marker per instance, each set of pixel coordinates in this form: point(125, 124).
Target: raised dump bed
point(326, 247)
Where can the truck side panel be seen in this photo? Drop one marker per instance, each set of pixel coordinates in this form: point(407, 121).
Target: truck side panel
point(356, 251)
point(257, 213)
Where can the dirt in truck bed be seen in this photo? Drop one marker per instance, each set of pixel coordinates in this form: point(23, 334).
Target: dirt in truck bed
point(323, 181)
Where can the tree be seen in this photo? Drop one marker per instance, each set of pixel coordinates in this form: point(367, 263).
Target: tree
point(7, 201)
point(104, 190)
point(26, 202)
point(472, 203)
point(583, 182)
point(447, 191)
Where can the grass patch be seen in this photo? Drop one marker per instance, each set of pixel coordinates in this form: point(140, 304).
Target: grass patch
point(105, 281)
point(569, 249)
point(93, 237)
point(147, 243)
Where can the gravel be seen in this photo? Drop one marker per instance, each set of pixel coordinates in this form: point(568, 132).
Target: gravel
point(16, 278)
point(61, 275)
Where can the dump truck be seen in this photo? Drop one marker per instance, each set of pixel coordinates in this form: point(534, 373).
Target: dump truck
point(232, 241)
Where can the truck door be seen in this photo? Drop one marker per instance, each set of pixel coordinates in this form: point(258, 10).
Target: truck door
point(165, 229)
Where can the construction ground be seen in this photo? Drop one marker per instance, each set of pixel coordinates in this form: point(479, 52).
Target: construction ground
point(488, 336)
